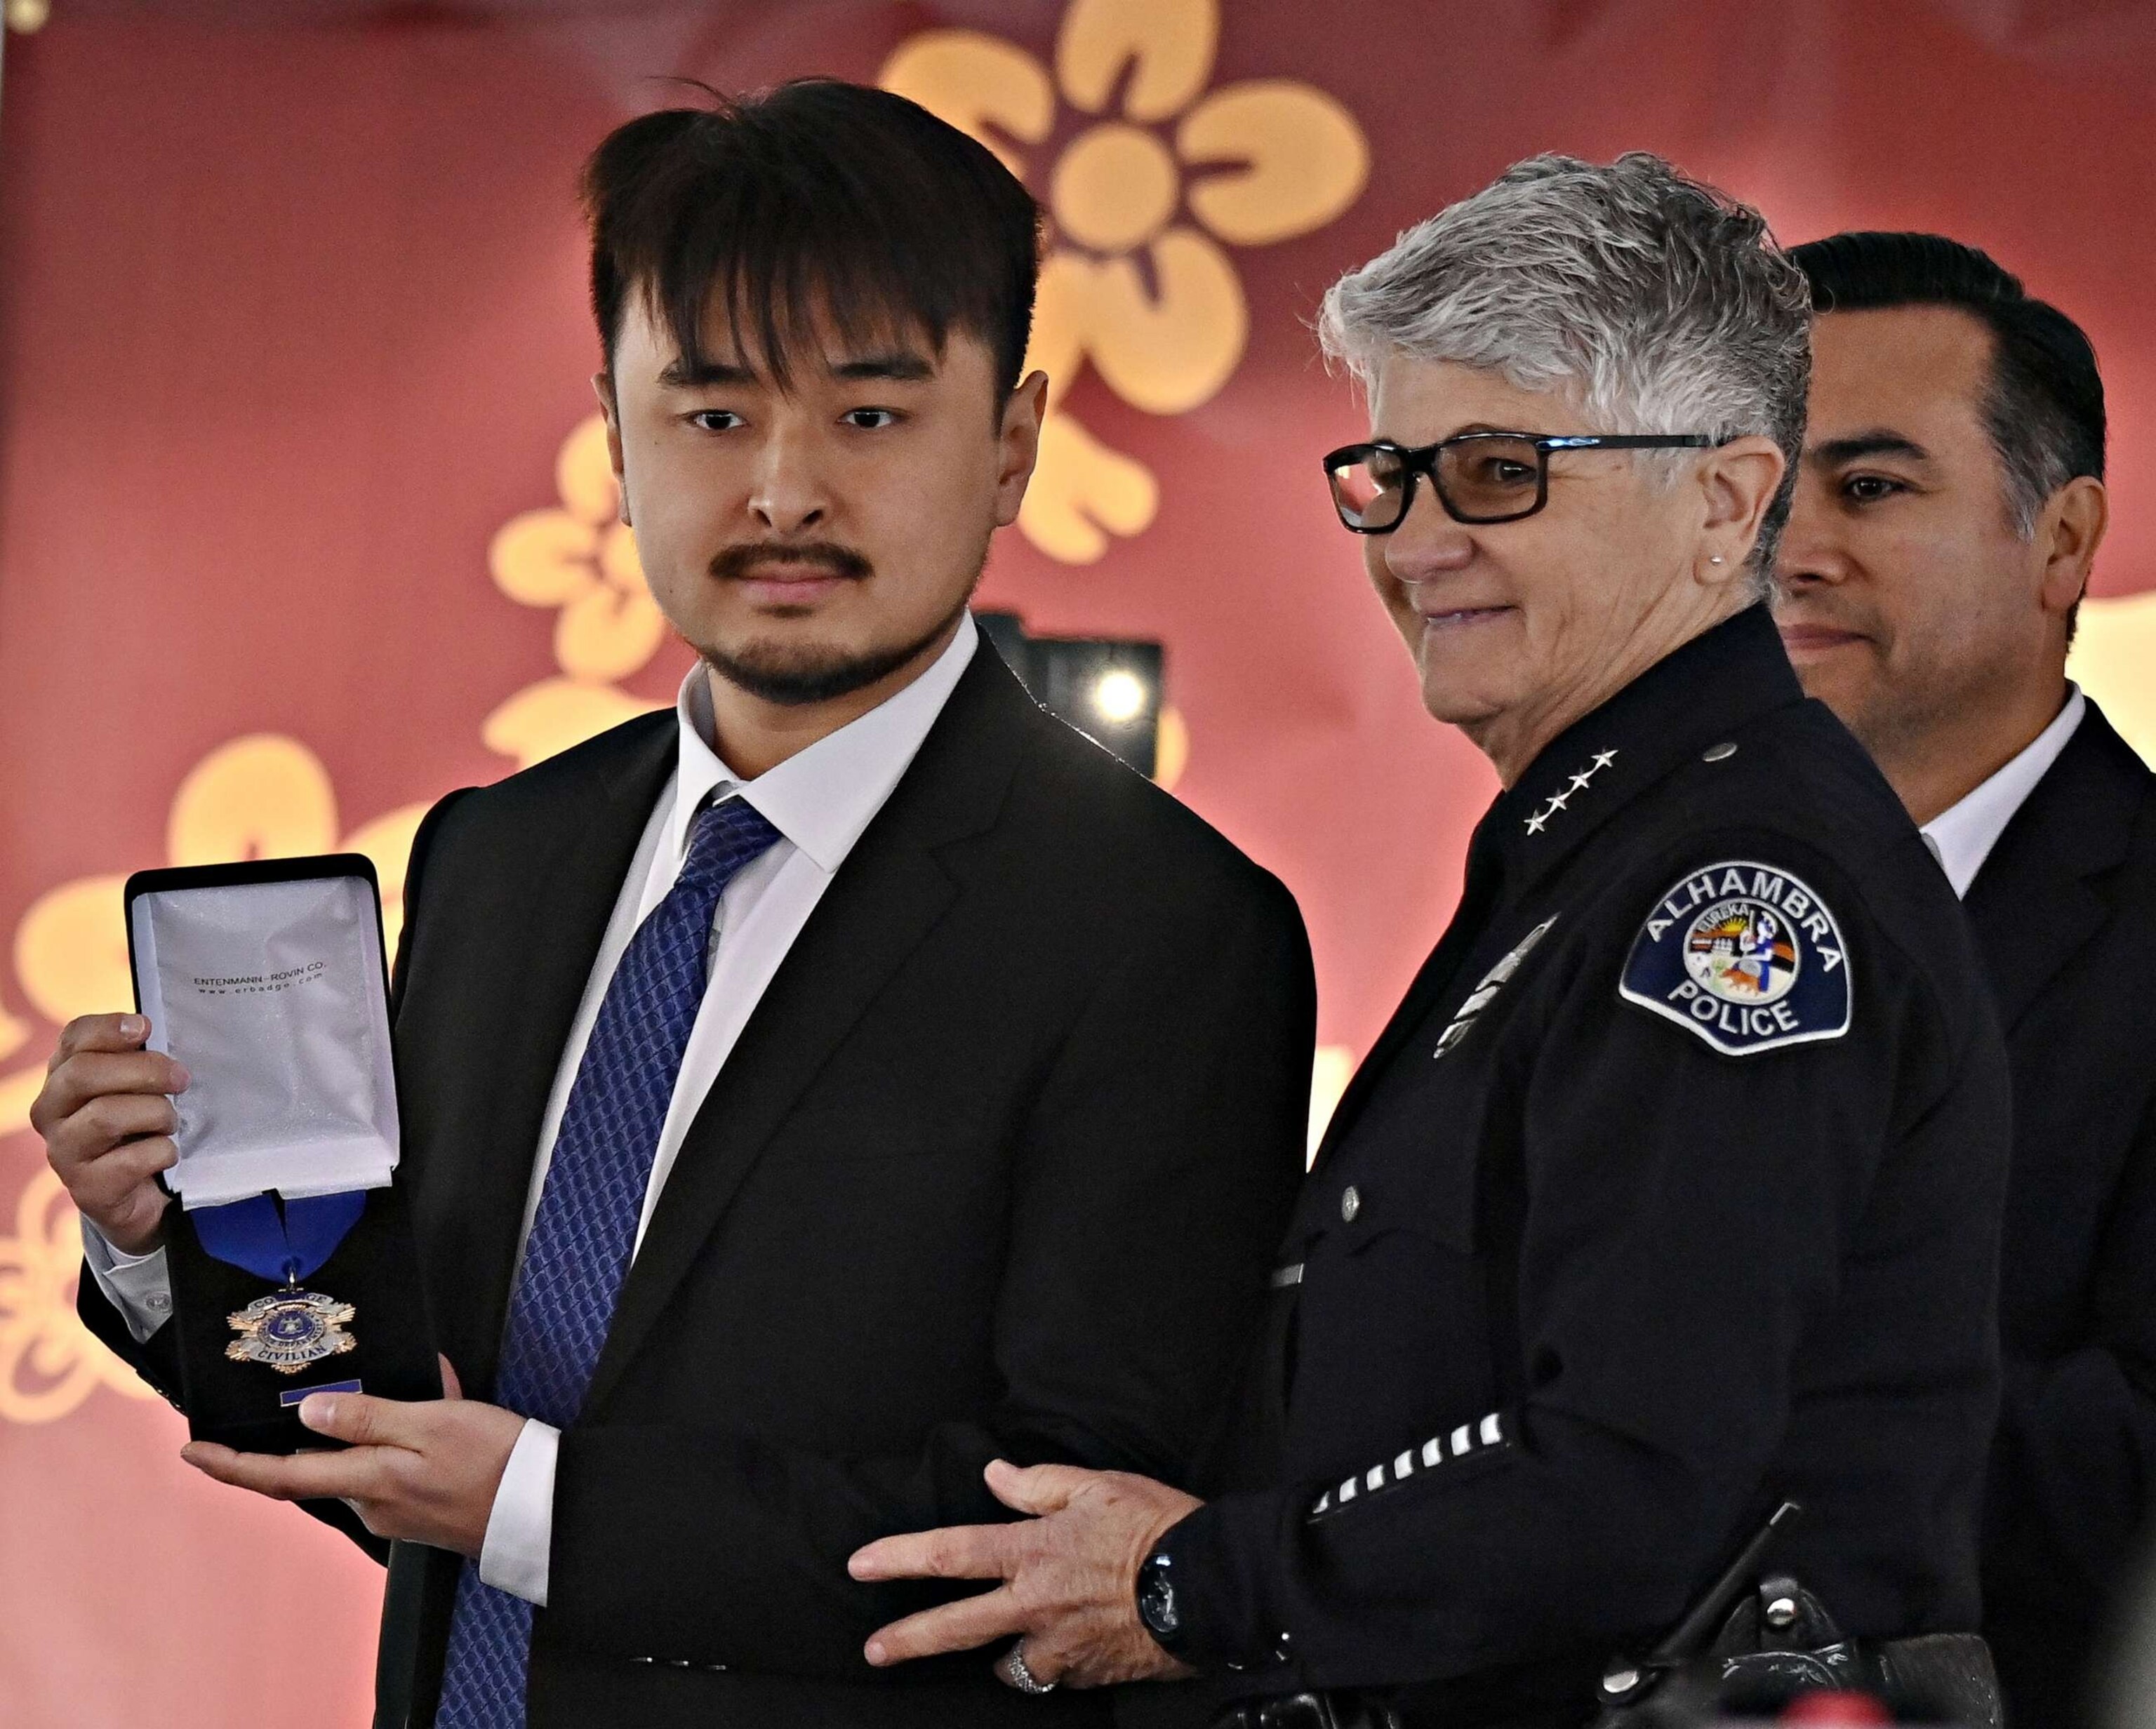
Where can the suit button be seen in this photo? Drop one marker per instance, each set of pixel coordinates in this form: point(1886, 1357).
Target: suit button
point(1350, 1203)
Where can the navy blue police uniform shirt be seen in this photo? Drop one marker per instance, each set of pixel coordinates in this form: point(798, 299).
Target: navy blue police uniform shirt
point(1673, 1189)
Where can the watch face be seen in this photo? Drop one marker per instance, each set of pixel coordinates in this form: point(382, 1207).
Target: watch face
point(1157, 1604)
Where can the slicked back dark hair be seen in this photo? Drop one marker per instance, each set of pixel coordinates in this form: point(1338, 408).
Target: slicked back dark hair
point(815, 198)
point(2043, 405)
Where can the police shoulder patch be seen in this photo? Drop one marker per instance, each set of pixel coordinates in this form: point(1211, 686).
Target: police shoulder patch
point(1744, 955)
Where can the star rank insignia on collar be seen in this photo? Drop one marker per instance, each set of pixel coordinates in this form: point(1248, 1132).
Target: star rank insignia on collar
point(1557, 800)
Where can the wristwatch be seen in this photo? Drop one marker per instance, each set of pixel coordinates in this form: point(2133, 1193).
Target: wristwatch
point(1158, 1607)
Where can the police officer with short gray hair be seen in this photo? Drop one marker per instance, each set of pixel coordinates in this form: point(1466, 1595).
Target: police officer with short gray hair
point(1672, 1194)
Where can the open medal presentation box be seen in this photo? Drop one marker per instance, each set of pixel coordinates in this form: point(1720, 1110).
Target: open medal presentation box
point(293, 1265)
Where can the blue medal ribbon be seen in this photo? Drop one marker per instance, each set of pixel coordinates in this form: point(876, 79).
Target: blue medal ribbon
point(281, 1240)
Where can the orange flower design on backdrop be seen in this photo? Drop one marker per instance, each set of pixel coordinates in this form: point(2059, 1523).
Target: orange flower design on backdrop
point(580, 557)
point(49, 1362)
point(1144, 203)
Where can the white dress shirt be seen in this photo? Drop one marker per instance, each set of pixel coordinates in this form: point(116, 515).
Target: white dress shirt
point(819, 800)
point(1961, 837)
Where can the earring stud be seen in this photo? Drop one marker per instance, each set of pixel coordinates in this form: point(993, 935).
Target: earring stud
point(1716, 559)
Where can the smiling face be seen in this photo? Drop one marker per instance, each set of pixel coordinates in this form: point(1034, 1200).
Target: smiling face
point(1520, 628)
point(816, 543)
point(1909, 600)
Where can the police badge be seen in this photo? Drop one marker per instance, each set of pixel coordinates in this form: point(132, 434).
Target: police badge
point(1744, 955)
point(289, 1329)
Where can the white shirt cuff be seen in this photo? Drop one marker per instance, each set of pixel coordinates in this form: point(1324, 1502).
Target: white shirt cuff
point(520, 1530)
point(137, 1285)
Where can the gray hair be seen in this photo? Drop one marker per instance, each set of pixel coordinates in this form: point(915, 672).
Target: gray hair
point(1658, 304)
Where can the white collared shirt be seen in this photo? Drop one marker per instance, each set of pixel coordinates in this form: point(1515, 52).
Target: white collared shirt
point(1961, 837)
point(820, 800)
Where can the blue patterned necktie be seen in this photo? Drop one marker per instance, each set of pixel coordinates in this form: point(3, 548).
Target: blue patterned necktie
point(585, 1227)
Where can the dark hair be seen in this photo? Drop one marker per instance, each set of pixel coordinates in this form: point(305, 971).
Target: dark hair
point(2043, 405)
point(815, 198)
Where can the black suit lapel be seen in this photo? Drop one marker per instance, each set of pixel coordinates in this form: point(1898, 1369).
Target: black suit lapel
point(888, 895)
point(547, 938)
point(2039, 897)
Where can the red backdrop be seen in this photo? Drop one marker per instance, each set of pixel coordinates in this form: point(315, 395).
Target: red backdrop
point(291, 326)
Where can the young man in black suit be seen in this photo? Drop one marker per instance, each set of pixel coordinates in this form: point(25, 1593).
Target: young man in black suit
point(1950, 503)
point(812, 1094)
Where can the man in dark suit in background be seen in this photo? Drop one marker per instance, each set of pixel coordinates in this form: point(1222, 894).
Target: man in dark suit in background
point(1950, 503)
point(810, 1094)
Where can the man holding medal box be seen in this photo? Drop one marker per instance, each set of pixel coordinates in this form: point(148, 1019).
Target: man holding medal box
point(815, 1093)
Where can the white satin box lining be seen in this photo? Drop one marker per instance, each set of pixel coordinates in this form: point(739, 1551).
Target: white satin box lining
point(271, 994)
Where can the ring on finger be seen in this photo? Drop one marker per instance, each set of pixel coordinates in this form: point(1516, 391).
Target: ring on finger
point(1012, 1672)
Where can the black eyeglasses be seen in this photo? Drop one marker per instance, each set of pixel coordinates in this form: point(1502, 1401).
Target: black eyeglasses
point(1479, 476)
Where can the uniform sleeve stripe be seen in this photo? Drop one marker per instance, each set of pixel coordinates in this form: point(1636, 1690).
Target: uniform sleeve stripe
point(1489, 1433)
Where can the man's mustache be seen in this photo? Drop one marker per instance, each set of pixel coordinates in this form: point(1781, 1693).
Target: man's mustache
point(736, 562)
point(1826, 614)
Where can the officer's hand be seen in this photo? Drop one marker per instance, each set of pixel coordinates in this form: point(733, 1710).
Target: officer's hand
point(1070, 1577)
point(108, 1124)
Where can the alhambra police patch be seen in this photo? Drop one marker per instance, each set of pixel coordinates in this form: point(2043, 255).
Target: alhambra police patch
point(1746, 955)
